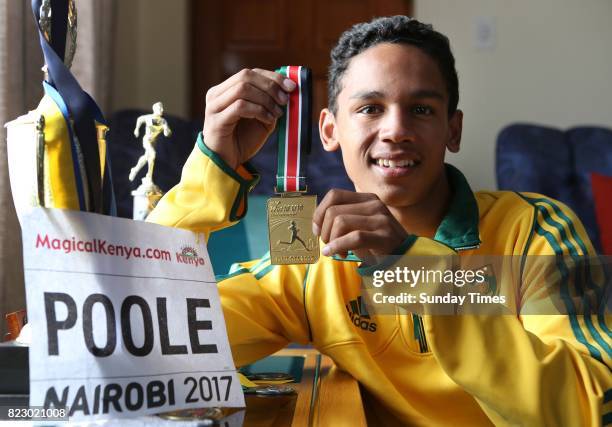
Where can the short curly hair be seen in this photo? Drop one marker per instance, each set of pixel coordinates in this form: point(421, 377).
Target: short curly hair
point(392, 29)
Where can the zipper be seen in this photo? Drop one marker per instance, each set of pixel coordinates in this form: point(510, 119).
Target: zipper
point(417, 320)
point(464, 248)
point(419, 333)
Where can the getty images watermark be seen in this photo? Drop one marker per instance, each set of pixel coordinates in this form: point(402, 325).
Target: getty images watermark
point(455, 285)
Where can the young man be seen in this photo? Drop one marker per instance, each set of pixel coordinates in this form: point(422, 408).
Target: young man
point(393, 95)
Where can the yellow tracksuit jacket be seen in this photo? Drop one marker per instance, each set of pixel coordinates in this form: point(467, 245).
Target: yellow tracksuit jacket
point(431, 370)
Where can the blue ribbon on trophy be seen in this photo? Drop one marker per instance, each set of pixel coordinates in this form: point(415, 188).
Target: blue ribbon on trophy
point(78, 176)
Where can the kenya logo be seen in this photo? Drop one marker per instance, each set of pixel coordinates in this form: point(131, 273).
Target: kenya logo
point(188, 255)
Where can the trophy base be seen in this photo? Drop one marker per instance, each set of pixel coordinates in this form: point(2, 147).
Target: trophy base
point(146, 197)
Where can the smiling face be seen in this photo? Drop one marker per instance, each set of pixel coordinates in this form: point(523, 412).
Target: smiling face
point(392, 125)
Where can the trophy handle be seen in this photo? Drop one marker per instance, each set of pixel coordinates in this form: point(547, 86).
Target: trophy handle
point(40, 158)
point(45, 19)
point(72, 34)
point(71, 39)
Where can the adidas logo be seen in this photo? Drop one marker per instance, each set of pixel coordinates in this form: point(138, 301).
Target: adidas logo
point(359, 315)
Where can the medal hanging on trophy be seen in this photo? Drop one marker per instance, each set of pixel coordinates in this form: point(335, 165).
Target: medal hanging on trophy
point(290, 214)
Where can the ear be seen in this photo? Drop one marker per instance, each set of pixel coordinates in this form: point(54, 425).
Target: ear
point(455, 128)
point(327, 130)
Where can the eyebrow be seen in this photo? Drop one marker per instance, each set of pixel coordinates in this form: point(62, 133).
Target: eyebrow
point(419, 93)
point(427, 93)
point(368, 94)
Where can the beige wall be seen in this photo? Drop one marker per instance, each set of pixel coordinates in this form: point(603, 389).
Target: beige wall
point(552, 64)
point(151, 61)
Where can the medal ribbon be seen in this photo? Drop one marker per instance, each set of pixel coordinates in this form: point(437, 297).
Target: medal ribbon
point(294, 132)
point(94, 195)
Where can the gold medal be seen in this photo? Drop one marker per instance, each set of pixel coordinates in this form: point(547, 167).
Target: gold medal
point(290, 229)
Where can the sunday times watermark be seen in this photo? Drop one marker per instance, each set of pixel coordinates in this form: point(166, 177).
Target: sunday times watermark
point(492, 285)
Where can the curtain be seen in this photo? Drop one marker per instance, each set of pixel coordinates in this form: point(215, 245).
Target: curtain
point(92, 64)
point(20, 90)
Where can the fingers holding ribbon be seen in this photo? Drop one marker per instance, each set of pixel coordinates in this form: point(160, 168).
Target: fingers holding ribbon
point(247, 92)
point(242, 109)
point(241, 113)
point(263, 87)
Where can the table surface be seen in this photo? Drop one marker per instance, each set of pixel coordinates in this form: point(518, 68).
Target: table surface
point(325, 396)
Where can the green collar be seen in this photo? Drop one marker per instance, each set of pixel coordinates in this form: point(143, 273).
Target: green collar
point(459, 228)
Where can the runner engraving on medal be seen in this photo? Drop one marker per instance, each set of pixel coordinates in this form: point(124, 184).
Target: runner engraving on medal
point(294, 236)
point(290, 229)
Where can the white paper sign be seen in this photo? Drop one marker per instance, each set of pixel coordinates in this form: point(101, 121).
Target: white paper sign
point(125, 317)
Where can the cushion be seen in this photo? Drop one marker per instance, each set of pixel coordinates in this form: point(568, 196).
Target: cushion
point(592, 153)
point(602, 195)
point(557, 164)
point(535, 158)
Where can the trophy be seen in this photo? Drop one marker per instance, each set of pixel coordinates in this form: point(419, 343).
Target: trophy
point(148, 194)
point(57, 153)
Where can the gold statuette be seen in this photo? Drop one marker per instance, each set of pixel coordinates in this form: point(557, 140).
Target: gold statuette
point(290, 229)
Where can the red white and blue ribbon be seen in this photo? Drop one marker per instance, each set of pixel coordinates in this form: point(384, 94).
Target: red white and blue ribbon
point(294, 132)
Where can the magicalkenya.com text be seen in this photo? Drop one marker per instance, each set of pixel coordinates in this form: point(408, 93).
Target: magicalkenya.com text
point(100, 246)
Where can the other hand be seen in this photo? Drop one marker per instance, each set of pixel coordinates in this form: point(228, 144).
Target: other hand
point(357, 222)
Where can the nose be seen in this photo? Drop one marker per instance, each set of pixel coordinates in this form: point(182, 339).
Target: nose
point(396, 127)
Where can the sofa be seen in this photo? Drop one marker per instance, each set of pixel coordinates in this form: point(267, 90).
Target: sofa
point(560, 164)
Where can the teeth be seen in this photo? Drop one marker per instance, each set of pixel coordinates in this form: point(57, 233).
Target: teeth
point(395, 163)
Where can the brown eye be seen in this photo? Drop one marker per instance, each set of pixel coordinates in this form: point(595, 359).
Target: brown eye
point(369, 109)
point(422, 110)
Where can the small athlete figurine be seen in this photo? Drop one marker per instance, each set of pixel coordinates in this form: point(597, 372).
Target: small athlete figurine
point(294, 236)
point(155, 124)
